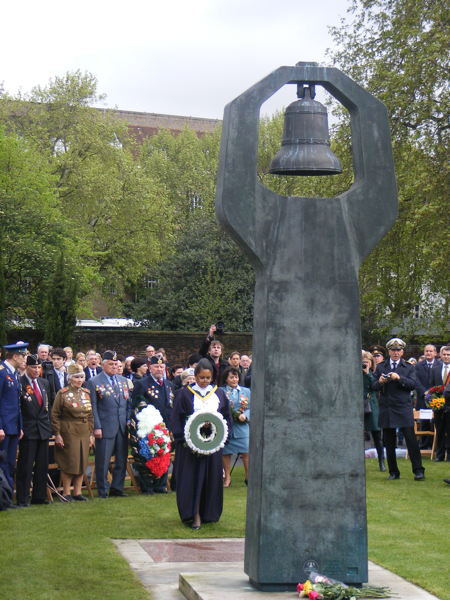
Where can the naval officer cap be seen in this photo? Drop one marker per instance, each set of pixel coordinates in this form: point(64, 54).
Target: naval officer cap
point(396, 344)
point(18, 347)
point(109, 355)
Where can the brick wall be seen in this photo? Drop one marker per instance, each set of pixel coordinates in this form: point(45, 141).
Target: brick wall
point(178, 345)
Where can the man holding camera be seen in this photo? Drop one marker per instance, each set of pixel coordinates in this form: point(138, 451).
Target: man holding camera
point(394, 379)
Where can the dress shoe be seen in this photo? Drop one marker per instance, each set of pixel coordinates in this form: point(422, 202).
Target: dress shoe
point(161, 491)
point(79, 498)
point(118, 493)
point(391, 477)
point(20, 505)
point(446, 481)
point(45, 501)
point(419, 476)
point(68, 498)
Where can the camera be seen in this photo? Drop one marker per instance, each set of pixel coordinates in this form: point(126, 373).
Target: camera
point(387, 375)
point(220, 327)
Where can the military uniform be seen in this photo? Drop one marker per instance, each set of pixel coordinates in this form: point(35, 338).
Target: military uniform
point(148, 391)
point(72, 418)
point(10, 416)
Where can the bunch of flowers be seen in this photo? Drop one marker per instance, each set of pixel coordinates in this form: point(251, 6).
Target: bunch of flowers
point(153, 441)
point(434, 398)
point(237, 412)
point(323, 588)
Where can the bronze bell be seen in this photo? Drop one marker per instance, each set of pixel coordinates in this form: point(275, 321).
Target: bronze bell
point(305, 149)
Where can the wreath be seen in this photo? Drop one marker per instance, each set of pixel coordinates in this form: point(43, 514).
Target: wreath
point(151, 444)
point(206, 432)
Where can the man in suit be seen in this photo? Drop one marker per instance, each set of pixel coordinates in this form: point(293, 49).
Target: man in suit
point(394, 379)
point(33, 447)
point(55, 373)
point(111, 407)
point(423, 383)
point(92, 369)
point(157, 391)
point(10, 416)
point(440, 375)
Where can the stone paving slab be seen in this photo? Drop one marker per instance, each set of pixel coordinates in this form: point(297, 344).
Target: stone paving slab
point(210, 574)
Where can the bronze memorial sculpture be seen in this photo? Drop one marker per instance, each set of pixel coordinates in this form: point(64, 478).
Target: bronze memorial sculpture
point(306, 498)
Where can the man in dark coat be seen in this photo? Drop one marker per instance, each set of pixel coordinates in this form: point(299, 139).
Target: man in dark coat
point(92, 369)
point(394, 379)
point(157, 391)
point(440, 375)
point(10, 416)
point(33, 447)
point(212, 350)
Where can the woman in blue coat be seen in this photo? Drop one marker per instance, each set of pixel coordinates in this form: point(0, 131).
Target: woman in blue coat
point(238, 440)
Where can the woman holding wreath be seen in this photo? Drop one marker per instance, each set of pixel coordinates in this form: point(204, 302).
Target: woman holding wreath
point(198, 476)
point(238, 440)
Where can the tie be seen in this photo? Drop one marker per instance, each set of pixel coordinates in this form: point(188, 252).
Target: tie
point(394, 365)
point(445, 374)
point(93, 373)
point(37, 392)
point(160, 381)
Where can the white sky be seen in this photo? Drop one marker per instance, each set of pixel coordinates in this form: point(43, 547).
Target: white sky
point(175, 57)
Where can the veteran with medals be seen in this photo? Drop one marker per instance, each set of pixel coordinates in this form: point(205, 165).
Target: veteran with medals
point(73, 423)
point(201, 421)
point(156, 391)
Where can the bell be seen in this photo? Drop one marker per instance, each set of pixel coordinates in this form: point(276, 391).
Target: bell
point(305, 149)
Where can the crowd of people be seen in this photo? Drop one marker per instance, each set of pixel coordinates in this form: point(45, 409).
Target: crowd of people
point(393, 388)
point(87, 402)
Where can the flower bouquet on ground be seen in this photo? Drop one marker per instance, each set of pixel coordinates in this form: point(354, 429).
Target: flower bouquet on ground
point(319, 587)
point(434, 398)
point(151, 444)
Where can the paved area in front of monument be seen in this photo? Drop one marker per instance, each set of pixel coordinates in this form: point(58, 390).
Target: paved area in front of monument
point(213, 569)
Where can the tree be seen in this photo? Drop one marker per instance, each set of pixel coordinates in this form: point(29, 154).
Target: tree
point(33, 230)
point(114, 207)
point(398, 50)
point(60, 305)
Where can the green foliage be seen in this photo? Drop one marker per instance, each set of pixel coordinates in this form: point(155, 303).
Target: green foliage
point(60, 305)
point(206, 279)
point(32, 228)
point(398, 50)
point(109, 211)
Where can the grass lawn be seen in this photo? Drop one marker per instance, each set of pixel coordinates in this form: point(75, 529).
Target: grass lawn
point(63, 551)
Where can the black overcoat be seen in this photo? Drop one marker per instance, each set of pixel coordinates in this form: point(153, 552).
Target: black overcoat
point(396, 407)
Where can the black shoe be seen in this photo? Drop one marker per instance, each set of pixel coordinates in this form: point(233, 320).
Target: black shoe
point(438, 460)
point(79, 498)
point(118, 493)
point(19, 505)
point(40, 501)
point(446, 481)
point(161, 491)
point(68, 498)
point(419, 476)
point(381, 465)
point(391, 477)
